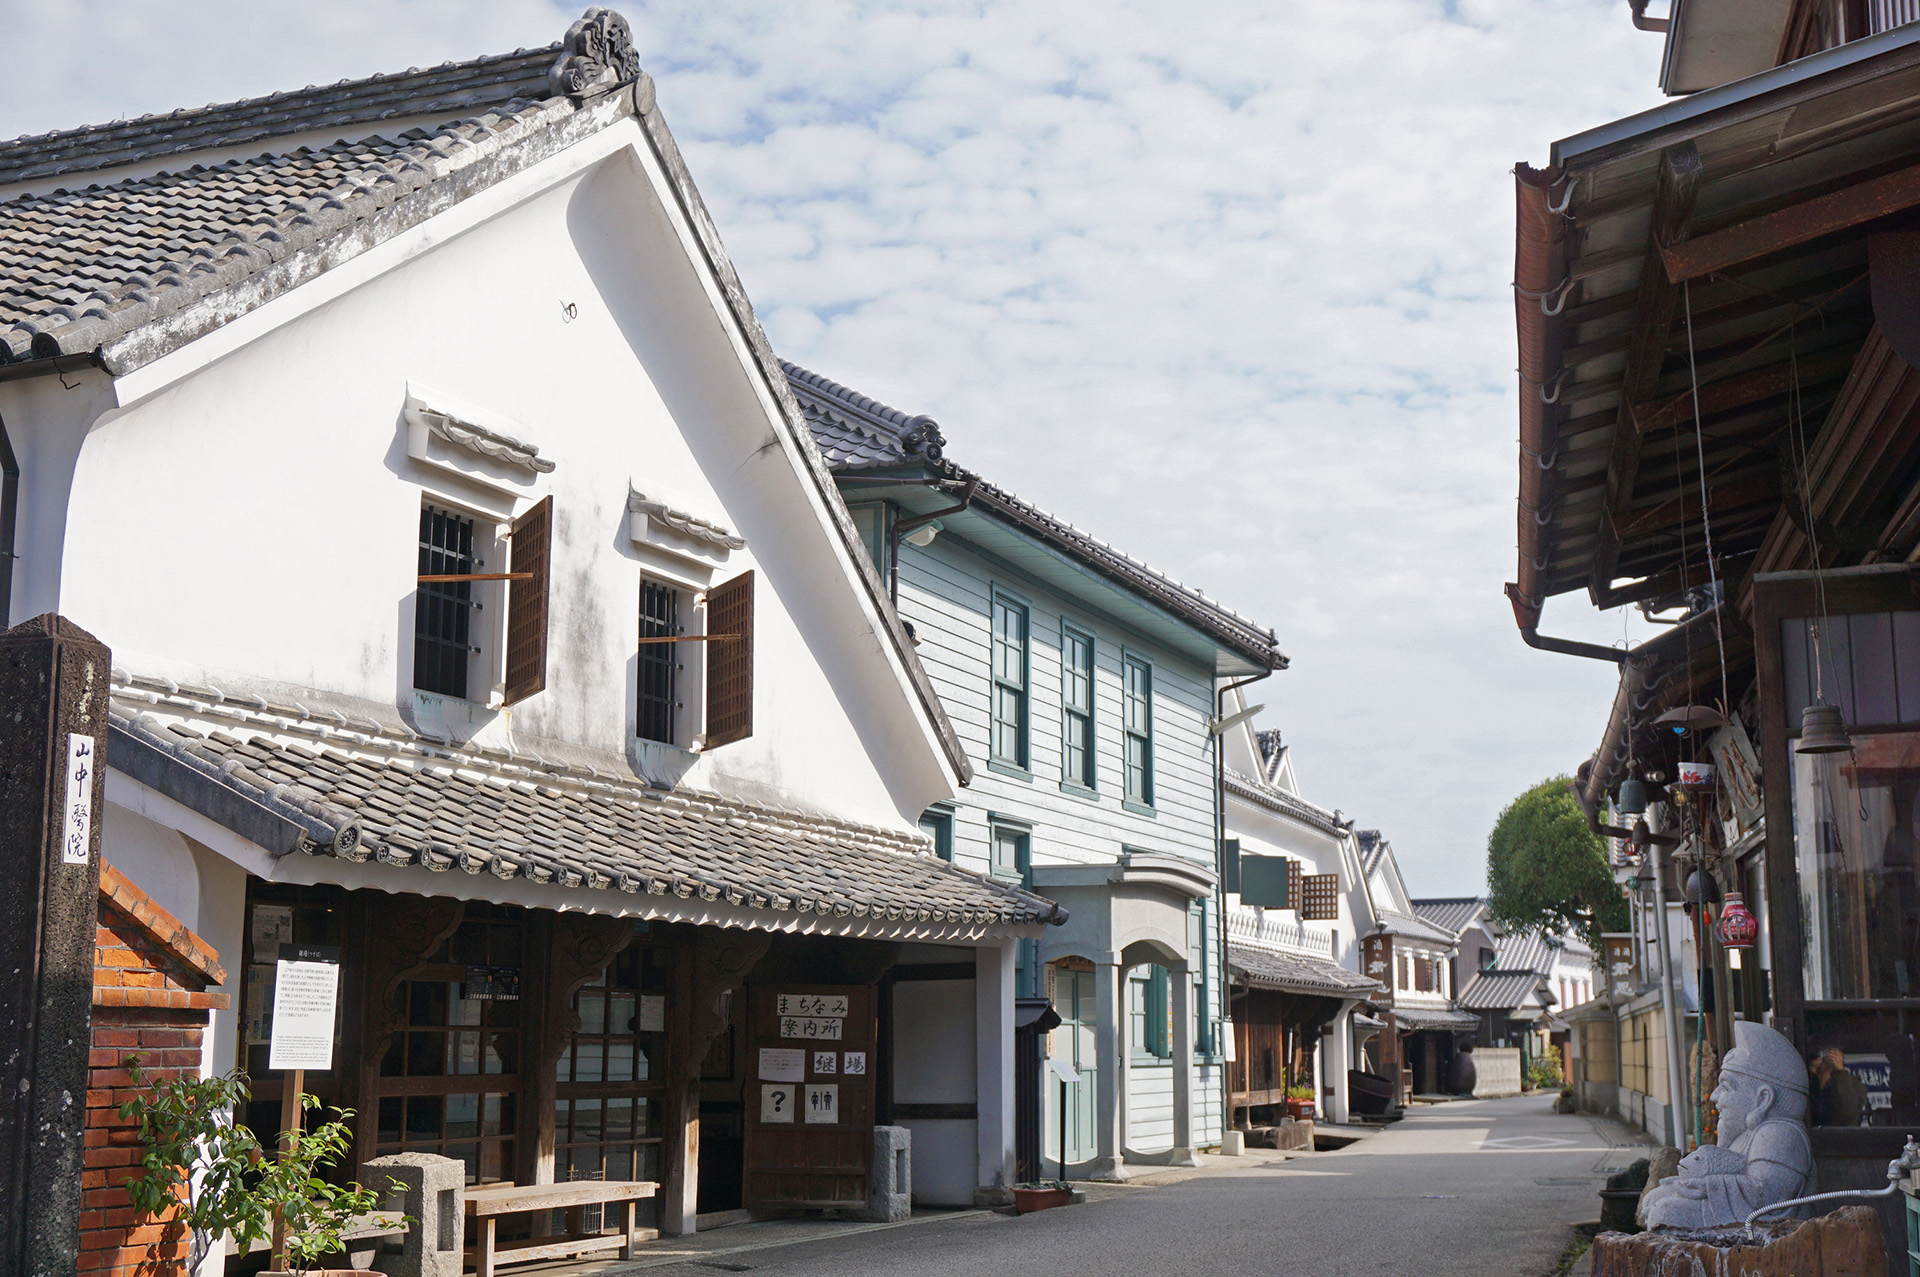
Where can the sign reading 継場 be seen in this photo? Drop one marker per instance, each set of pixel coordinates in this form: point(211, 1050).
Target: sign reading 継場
point(76, 835)
point(306, 987)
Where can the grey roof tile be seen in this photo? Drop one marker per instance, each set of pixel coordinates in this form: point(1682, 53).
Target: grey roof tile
point(464, 87)
point(1503, 990)
point(1296, 973)
point(1451, 914)
point(1416, 1018)
point(627, 836)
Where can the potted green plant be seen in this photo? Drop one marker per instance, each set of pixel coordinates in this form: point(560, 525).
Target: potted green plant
point(1041, 1195)
point(204, 1172)
point(1300, 1103)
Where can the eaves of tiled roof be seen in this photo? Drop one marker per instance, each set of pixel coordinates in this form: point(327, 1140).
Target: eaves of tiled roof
point(855, 432)
point(1503, 990)
point(1286, 804)
point(1414, 1019)
point(355, 792)
point(1394, 923)
point(1296, 973)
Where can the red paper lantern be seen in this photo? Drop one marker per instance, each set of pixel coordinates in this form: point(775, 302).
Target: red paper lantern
point(1738, 928)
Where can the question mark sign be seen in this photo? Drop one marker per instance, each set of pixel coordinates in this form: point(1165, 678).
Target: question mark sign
point(779, 1100)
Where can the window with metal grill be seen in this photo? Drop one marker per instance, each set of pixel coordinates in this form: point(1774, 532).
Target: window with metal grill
point(1136, 723)
point(659, 662)
point(443, 610)
point(1076, 700)
point(1008, 743)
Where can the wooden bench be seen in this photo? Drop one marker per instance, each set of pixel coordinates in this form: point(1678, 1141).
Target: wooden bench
point(486, 1205)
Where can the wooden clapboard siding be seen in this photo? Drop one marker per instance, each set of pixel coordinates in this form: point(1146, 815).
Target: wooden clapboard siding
point(1149, 1107)
point(945, 593)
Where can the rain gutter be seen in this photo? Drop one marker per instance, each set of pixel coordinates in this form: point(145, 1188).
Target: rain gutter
point(1538, 257)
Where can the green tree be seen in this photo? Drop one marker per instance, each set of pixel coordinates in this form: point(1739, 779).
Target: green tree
point(1545, 868)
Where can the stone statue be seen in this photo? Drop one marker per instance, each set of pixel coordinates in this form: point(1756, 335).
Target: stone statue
point(1764, 1153)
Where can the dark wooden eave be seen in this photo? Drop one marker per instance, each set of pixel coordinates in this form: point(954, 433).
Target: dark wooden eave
point(1746, 212)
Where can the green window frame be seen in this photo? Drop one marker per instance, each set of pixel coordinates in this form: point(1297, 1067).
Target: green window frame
point(1136, 728)
point(1010, 851)
point(1149, 998)
point(1011, 665)
point(1077, 749)
point(937, 824)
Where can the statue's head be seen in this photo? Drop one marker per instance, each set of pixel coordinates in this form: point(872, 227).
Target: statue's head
point(1762, 1079)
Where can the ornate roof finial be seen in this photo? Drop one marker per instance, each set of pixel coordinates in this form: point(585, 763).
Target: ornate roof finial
point(596, 54)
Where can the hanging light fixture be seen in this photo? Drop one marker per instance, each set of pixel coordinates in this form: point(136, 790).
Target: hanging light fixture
point(1822, 731)
point(1692, 718)
point(1738, 929)
point(1632, 800)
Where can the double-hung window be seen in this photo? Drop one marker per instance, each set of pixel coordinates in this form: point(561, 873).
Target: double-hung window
point(1076, 708)
point(1149, 1002)
point(1008, 743)
point(1136, 727)
point(1012, 855)
point(657, 717)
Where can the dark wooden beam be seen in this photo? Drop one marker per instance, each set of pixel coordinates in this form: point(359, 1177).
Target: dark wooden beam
point(1721, 497)
point(1741, 389)
point(1677, 185)
point(1794, 225)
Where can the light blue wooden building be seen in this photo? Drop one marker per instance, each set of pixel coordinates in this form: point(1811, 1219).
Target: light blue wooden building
point(1083, 685)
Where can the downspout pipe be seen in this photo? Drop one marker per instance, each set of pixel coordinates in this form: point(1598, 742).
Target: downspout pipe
point(9, 512)
point(1220, 873)
point(1642, 22)
point(903, 526)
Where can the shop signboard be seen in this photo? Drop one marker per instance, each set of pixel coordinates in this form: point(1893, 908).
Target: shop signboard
point(809, 1136)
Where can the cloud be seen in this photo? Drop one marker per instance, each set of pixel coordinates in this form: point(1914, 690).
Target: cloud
point(1225, 284)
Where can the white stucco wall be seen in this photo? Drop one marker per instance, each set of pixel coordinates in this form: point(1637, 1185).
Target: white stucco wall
point(255, 520)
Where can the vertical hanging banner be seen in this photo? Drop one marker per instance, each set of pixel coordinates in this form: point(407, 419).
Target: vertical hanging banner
point(306, 988)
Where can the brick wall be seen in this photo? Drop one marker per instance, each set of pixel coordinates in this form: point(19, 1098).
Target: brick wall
point(149, 1001)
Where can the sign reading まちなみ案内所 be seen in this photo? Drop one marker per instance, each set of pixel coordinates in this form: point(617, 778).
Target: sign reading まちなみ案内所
point(306, 989)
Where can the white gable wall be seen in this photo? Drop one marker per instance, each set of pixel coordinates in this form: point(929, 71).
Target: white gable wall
point(255, 520)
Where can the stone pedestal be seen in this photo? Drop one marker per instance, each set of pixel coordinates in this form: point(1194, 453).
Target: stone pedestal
point(433, 1192)
point(1843, 1244)
point(892, 1197)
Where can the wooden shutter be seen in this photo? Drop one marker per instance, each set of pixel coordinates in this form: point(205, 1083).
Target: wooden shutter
point(1320, 897)
point(527, 603)
point(1294, 873)
point(730, 661)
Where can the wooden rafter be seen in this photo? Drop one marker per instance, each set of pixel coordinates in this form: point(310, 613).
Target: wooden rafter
point(1793, 225)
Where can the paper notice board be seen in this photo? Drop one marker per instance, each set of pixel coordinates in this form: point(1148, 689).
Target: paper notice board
point(306, 988)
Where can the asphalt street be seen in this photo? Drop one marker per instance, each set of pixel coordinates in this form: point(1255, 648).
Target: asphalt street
point(1478, 1187)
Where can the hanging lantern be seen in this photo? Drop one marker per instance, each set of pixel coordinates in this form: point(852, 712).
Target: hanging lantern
point(1633, 797)
point(1738, 929)
point(1822, 731)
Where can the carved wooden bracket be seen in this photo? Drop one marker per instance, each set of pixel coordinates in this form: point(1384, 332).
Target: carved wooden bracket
point(405, 932)
point(583, 945)
point(721, 962)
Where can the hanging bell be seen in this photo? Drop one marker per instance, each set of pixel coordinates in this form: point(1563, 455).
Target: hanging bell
point(1702, 888)
point(1632, 800)
point(1738, 929)
point(1822, 731)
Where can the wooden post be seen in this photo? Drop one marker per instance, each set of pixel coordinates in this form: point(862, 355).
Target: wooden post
point(53, 746)
point(290, 1123)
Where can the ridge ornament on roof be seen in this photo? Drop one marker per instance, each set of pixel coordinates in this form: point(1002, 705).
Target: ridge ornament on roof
point(596, 54)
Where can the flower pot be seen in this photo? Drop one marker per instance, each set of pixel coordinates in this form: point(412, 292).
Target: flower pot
point(1028, 1200)
point(1300, 1110)
point(325, 1272)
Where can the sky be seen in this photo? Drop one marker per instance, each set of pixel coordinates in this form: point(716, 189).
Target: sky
point(1226, 284)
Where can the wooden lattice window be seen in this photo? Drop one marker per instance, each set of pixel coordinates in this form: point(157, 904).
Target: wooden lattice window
point(1320, 897)
point(527, 603)
point(1296, 875)
point(730, 661)
point(1423, 974)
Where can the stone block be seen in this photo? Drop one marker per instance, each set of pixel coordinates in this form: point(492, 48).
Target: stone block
point(1845, 1243)
point(433, 1192)
point(892, 1197)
